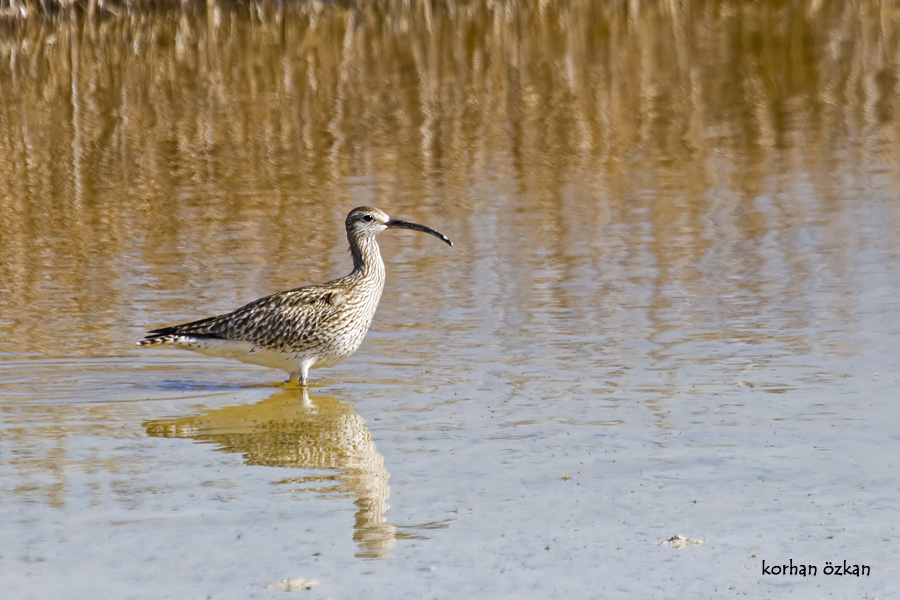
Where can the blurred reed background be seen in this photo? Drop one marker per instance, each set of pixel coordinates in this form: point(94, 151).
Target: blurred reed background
point(140, 135)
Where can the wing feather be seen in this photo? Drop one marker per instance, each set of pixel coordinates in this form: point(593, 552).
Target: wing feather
point(282, 319)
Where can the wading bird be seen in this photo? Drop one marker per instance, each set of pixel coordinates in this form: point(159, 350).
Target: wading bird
point(311, 326)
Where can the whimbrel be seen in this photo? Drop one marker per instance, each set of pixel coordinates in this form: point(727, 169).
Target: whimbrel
point(294, 330)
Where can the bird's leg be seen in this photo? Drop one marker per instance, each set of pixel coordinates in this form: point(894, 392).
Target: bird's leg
point(299, 376)
point(304, 371)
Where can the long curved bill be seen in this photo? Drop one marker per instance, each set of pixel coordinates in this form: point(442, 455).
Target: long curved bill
point(407, 225)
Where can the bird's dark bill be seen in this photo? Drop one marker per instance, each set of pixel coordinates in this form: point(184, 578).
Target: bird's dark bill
point(407, 225)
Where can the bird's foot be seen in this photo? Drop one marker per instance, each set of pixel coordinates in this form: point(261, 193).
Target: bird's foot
point(295, 382)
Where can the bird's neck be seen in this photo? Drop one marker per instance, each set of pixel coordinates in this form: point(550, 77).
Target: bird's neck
point(367, 261)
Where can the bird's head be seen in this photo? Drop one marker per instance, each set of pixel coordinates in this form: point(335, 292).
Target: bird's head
point(367, 221)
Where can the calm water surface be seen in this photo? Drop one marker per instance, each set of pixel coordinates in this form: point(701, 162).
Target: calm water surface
point(671, 308)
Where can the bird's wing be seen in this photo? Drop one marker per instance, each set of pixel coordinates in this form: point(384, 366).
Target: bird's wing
point(282, 318)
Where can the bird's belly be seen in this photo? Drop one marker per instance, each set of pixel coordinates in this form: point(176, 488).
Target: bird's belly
point(340, 338)
point(247, 352)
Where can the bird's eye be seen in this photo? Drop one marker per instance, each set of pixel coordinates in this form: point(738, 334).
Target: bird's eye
point(367, 218)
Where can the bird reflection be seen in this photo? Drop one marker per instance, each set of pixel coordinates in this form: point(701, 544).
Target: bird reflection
point(292, 429)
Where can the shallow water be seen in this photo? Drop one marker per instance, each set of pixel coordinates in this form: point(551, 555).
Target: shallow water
point(670, 310)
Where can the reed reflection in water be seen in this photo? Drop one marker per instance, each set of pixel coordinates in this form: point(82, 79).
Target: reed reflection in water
point(686, 138)
point(290, 429)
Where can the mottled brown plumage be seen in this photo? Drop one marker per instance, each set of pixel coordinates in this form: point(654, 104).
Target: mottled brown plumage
point(316, 325)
